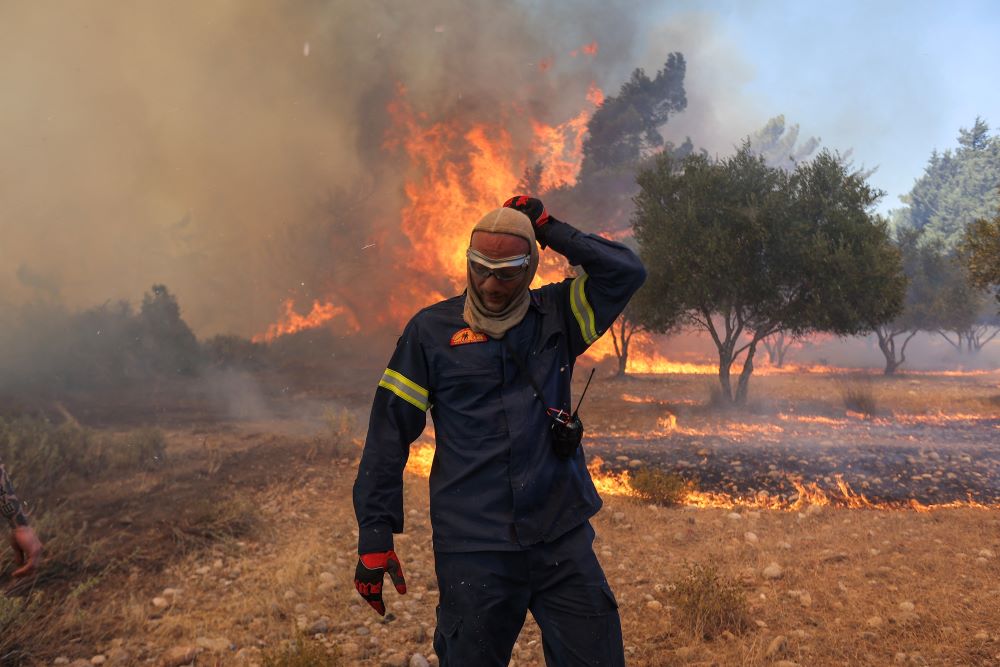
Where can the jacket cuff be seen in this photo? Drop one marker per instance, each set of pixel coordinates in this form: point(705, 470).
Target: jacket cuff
point(13, 513)
point(557, 234)
point(553, 229)
point(375, 538)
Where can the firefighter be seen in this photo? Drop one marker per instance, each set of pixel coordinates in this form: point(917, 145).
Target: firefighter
point(510, 496)
point(26, 545)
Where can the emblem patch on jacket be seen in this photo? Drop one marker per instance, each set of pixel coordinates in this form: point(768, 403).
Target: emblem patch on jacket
point(466, 336)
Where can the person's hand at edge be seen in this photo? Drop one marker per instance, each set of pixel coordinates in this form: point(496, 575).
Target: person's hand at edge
point(27, 550)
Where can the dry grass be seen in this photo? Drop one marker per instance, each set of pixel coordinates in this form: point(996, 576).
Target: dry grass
point(41, 455)
point(341, 438)
point(301, 652)
point(57, 604)
point(657, 486)
point(860, 397)
point(709, 603)
point(211, 520)
point(273, 547)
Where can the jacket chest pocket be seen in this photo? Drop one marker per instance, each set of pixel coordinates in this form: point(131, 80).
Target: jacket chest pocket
point(465, 386)
point(468, 402)
point(465, 376)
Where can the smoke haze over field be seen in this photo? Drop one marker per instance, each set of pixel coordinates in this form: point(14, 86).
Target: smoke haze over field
point(241, 153)
point(234, 151)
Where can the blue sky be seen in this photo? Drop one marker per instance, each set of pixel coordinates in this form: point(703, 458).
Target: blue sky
point(889, 80)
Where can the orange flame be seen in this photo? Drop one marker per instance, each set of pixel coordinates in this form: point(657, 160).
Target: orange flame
point(458, 170)
point(645, 358)
point(291, 321)
point(807, 494)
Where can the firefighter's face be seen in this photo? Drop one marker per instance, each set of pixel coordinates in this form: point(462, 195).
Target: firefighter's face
point(497, 294)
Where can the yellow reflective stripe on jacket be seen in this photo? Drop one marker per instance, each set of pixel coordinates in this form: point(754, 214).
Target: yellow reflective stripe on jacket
point(405, 388)
point(582, 311)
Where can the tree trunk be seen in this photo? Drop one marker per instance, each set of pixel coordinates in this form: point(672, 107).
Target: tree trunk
point(887, 343)
point(890, 366)
point(623, 356)
point(781, 356)
point(726, 389)
point(743, 387)
point(777, 348)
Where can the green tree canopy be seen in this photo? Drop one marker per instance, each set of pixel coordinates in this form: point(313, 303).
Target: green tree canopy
point(627, 125)
point(957, 187)
point(167, 341)
point(743, 250)
point(980, 252)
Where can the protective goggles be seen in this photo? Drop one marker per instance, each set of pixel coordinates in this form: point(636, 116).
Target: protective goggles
point(506, 269)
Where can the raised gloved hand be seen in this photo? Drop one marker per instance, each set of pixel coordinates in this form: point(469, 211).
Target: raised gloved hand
point(27, 550)
point(531, 207)
point(370, 572)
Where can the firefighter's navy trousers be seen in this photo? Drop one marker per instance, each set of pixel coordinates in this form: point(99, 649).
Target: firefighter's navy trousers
point(485, 596)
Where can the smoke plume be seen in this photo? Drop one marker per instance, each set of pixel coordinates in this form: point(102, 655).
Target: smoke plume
point(236, 151)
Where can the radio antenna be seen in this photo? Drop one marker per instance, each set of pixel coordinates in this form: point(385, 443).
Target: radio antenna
point(587, 386)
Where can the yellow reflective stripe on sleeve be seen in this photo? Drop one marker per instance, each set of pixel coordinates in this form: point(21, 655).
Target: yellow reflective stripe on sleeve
point(582, 311)
point(405, 388)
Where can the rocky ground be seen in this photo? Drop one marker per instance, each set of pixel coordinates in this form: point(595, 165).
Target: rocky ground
point(823, 586)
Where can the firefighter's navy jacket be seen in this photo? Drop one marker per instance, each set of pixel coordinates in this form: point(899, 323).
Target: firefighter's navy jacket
point(495, 483)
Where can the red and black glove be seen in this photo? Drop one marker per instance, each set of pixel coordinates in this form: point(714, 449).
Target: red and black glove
point(369, 573)
point(534, 209)
point(531, 207)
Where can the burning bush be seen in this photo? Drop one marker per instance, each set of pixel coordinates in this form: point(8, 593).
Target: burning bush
point(709, 603)
point(662, 488)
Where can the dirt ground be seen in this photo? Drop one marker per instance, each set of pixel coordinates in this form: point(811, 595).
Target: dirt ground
point(246, 540)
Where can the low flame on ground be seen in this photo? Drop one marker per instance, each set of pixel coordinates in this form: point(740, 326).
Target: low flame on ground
point(645, 358)
point(291, 322)
point(807, 494)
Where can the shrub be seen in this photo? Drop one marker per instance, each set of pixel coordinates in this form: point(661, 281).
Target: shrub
point(39, 454)
point(233, 351)
point(340, 437)
point(709, 603)
point(144, 448)
point(205, 522)
point(860, 397)
point(662, 488)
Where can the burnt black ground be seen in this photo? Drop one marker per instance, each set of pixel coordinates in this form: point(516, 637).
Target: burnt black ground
point(888, 461)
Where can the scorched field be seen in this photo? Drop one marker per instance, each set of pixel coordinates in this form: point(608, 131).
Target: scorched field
point(839, 520)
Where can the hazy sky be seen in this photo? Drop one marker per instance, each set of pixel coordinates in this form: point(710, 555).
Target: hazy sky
point(891, 80)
